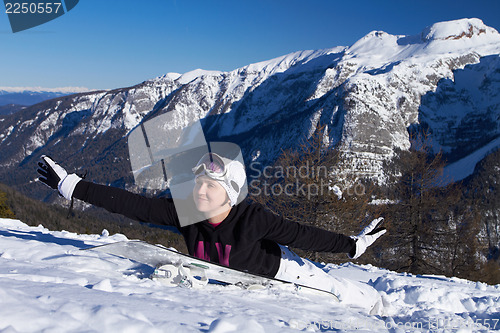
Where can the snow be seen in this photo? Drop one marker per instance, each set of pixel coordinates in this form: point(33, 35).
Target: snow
point(190, 76)
point(47, 283)
point(172, 76)
point(284, 63)
point(465, 166)
point(378, 48)
point(457, 29)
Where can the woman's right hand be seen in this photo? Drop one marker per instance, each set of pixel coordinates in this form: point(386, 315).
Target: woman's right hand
point(56, 177)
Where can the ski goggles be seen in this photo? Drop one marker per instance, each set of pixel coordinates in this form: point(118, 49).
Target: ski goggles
point(211, 165)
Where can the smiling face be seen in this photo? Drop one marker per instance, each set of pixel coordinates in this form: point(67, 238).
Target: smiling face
point(210, 197)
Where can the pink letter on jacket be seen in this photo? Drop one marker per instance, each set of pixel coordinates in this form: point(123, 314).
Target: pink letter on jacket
point(203, 252)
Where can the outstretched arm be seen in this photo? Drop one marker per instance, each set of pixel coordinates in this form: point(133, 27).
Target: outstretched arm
point(310, 238)
point(131, 205)
point(115, 200)
point(305, 237)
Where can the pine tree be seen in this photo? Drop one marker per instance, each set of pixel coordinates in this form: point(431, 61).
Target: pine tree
point(5, 210)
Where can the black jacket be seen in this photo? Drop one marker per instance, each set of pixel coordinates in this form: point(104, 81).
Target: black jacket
point(247, 239)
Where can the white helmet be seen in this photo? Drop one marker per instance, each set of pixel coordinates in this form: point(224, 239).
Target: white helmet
point(229, 173)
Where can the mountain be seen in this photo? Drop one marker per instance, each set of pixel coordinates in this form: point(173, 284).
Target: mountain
point(33, 95)
point(444, 79)
point(49, 284)
point(470, 105)
point(10, 108)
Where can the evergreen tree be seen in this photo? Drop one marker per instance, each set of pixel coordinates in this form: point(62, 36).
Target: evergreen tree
point(5, 210)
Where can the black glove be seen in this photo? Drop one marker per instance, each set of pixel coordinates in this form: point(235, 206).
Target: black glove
point(55, 177)
point(50, 172)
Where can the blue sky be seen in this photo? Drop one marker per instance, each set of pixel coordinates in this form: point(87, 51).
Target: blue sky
point(105, 44)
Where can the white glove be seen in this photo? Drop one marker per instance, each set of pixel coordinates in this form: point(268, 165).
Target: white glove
point(56, 177)
point(367, 237)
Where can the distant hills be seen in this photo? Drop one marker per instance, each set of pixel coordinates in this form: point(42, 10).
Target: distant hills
point(13, 99)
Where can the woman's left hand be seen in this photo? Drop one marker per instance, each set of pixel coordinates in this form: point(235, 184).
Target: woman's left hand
point(367, 237)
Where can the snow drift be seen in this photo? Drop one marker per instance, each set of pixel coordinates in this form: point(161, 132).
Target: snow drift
point(48, 284)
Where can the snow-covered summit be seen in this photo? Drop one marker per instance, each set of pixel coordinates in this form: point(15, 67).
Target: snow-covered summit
point(168, 77)
point(375, 45)
point(465, 35)
point(181, 79)
point(472, 28)
point(194, 74)
point(283, 63)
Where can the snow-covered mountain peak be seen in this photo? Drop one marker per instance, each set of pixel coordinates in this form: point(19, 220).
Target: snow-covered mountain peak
point(283, 63)
point(459, 29)
point(168, 77)
point(459, 36)
point(194, 74)
point(372, 35)
point(439, 38)
point(375, 43)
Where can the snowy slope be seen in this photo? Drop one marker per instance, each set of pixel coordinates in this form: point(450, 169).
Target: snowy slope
point(463, 113)
point(464, 167)
point(48, 284)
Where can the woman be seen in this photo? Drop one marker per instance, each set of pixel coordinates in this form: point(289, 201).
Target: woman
point(239, 235)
